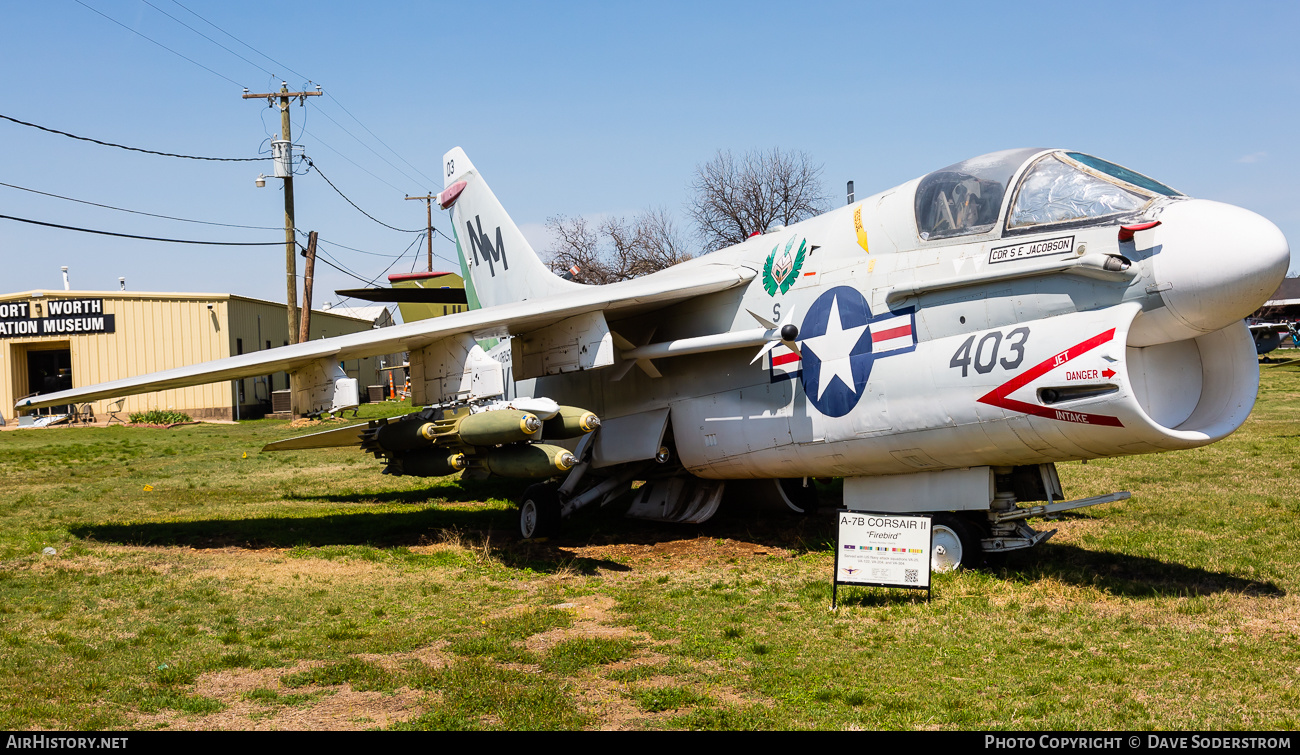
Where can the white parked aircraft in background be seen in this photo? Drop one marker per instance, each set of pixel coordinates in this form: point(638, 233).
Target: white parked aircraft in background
point(939, 346)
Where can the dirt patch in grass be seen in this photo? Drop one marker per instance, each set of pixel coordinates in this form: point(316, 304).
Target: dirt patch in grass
point(227, 686)
point(343, 710)
point(305, 709)
point(590, 614)
point(433, 656)
point(678, 554)
point(82, 564)
point(307, 422)
point(603, 701)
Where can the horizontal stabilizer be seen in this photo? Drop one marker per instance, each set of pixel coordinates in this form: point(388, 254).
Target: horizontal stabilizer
point(335, 438)
point(407, 295)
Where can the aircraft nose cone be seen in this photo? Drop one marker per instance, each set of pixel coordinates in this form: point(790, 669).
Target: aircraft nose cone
point(1217, 263)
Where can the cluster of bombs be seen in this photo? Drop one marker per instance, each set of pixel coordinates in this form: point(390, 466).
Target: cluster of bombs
point(502, 442)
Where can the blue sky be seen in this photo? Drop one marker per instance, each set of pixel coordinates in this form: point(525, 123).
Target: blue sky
point(592, 109)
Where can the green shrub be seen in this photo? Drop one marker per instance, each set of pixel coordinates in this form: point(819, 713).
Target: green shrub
point(159, 417)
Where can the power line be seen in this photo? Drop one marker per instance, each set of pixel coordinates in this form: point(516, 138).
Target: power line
point(136, 149)
point(381, 141)
point(357, 165)
point(201, 34)
point(139, 212)
point(245, 44)
point(143, 238)
point(370, 282)
point(242, 42)
point(336, 100)
point(354, 204)
point(439, 255)
point(321, 240)
point(321, 257)
point(160, 44)
point(367, 146)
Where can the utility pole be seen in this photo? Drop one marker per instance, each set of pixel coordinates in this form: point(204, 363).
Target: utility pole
point(310, 254)
point(290, 245)
point(428, 206)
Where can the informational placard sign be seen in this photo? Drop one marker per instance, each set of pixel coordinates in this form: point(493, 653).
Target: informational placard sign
point(882, 550)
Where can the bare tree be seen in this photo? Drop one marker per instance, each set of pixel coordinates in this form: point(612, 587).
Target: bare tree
point(735, 198)
point(616, 249)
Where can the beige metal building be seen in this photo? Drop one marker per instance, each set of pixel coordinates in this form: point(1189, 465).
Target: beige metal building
point(54, 340)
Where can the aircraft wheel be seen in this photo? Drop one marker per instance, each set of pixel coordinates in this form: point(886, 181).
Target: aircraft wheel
point(801, 499)
point(539, 511)
point(955, 544)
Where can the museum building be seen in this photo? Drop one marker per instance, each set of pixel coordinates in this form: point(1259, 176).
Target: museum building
point(53, 340)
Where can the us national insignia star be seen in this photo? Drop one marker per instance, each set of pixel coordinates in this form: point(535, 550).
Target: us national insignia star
point(840, 342)
point(836, 350)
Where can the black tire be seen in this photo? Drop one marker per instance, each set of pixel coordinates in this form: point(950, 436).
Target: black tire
point(955, 544)
point(539, 511)
point(800, 499)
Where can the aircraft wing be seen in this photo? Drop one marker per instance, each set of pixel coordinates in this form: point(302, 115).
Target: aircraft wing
point(652, 291)
point(1269, 327)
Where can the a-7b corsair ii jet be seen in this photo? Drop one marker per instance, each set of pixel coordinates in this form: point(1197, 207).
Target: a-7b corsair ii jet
point(939, 346)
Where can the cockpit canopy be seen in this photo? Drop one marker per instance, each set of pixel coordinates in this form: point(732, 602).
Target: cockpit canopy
point(1058, 188)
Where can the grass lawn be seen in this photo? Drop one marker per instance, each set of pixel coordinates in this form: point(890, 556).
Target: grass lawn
point(198, 584)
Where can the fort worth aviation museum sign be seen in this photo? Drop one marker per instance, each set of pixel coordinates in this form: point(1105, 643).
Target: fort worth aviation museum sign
point(54, 317)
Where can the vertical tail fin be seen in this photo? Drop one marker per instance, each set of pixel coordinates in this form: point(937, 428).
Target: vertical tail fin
point(498, 263)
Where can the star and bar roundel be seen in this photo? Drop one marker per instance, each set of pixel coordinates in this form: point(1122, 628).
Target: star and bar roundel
point(840, 340)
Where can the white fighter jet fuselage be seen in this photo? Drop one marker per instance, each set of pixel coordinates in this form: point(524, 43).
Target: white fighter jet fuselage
point(939, 346)
point(1038, 331)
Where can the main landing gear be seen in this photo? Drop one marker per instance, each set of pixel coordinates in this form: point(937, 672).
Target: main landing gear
point(955, 543)
point(539, 511)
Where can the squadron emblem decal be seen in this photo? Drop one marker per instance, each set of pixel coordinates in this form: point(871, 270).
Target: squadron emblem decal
point(841, 341)
point(782, 267)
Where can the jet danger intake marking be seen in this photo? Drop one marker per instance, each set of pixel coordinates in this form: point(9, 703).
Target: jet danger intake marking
point(999, 396)
point(841, 341)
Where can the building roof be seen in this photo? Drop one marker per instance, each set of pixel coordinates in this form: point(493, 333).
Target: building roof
point(1287, 293)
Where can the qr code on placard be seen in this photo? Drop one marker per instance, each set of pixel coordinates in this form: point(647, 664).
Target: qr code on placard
point(910, 575)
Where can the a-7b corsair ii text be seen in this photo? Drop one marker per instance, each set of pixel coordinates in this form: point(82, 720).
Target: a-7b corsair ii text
point(939, 346)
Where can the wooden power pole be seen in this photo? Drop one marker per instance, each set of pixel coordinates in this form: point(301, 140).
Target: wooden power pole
point(305, 332)
point(290, 245)
point(428, 206)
